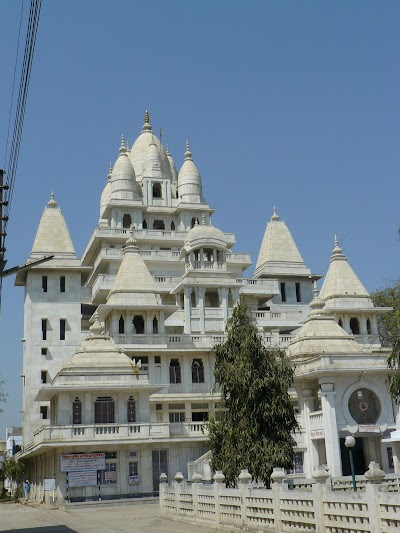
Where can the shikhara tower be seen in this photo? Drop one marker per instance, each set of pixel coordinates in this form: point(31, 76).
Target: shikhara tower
point(117, 343)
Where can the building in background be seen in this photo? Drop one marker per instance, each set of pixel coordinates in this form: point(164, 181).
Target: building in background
point(118, 369)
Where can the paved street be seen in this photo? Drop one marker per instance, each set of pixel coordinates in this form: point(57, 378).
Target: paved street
point(140, 518)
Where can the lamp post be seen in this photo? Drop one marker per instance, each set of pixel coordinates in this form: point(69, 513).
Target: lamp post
point(350, 442)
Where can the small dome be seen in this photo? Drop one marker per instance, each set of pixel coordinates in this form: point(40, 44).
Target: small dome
point(140, 148)
point(123, 179)
point(106, 194)
point(189, 179)
point(172, 166)
point(204, 235)
point(153, 160)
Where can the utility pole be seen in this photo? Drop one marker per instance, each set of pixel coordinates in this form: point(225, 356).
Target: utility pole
point(3, 220)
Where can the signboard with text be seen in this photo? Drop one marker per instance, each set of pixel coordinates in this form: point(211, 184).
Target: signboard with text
point(82, 462)
point(134, 479)
point(82, 479)
point(49, 484)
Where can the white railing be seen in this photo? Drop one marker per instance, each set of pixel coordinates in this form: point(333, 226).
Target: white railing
point(281, 315)
point(316, 420)
point(279, 509)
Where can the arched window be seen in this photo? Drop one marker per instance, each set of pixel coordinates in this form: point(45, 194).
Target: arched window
point(158, 224)
point(157, 192)
point(340, 322)
point(155, 326)
point(197, 371)
point(193, 299)
point(355, 326)
point(121, 325)
point(138, 324)
point(126, 221)
point(195, 220)
point(172, 226)
point(369, 329)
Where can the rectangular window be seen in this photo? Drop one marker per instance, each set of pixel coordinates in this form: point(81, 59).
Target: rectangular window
point(44, 283)
point(157, 360)
point(133, 472)
point(44, 329)
point(43, 376)
point(77, 412)
point(62, 329)
point(298, 464)
point(109, 475)
point(175, 371)
point(44, 412)
point(200, 416)
point(158, 406)
point(131, 414)
point(390, 457)
point(104, 412)
point(176, 417)
point(283, 292)
point(197, 371)
point(44, 351)
point(62, 283)
point(298, 292)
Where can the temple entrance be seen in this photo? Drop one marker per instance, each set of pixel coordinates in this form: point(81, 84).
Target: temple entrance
point(358, 456)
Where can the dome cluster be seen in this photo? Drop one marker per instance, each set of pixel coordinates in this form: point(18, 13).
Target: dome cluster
point(148, 158)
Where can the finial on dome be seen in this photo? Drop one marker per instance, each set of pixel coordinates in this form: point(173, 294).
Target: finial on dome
point(52, 202)
point(152, 140)
point(196, 222)
point(131, 243)
point(210, 221)
point(96, 328)
point(122, 148)
point(275, 216)
point(110, 171)
point(127, 146)
point(203, 219)
point(147, 125)
point(167, 150)
point(188, 153)
point(336, 249)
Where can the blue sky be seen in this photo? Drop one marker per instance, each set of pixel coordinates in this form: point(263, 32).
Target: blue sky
point(286, 103)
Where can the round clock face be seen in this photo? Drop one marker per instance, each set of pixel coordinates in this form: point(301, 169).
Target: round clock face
point(364, 406)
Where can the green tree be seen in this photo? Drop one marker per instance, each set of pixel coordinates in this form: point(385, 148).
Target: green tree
point(14, 470)
point(389, 332)
point(255, 428)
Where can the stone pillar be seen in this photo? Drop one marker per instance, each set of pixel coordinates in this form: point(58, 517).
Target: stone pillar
point(277, 477)
point(374, 477)
point(244, 480)
point(196, 480)
point(219, 484)
point(202, 293)
point(330, 426)
point(187, 327)
point(224, 304)
point(307, 407)
point(319, 488)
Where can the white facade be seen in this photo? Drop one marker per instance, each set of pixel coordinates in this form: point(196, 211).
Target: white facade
point(156, 285)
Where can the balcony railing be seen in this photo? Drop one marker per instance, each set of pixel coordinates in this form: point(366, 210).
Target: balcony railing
point(316, 420)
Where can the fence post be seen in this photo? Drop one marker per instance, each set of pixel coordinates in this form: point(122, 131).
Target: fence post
point(178, 480)
point(196, 479)
point(163, 485)
point(318, 489)
point(219, 484)
point(374, 476)
point(277, 477)
point(244, 479)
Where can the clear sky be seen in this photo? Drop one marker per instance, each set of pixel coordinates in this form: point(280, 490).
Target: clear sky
point(286, 103)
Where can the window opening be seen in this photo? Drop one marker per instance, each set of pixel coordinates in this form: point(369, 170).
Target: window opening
point(340, 322)
point(172, 226)
point(62, 283)
point(43, 376)
point(157, 360)
point(158, 224)
point(297, 467)
point(121, 325)
point(211, 299)
point(62, 329)
point(44, 329)
point(157, 192)
point(369, 329)
point(355, 326)
point(364, 406)
point(44, 351)
point(133, 473)
point(283, 291)
point(197, 371)
point(144, 224)
point(200, 416)
point(155, 326)
point(194, 221)
point(126, 220)
point(138, 324)
point(44, 412)
point(109, 475)
point(175, 371)
point(298, 292)
point(44, 283)
point(193, 299)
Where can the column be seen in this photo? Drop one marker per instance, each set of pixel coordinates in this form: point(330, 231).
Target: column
point(224, 304)
point(330, 426)
point(202, 293)
point(307, 407)
point(188, 327)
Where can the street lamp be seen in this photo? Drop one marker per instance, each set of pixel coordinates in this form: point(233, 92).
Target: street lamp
point(350, 442)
